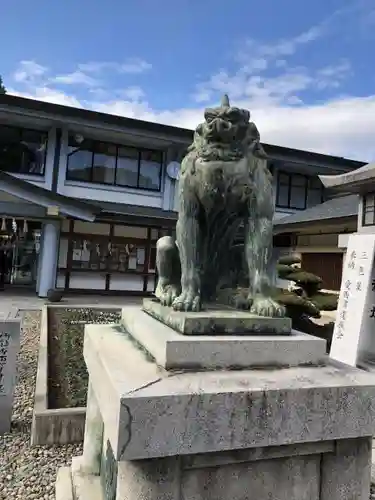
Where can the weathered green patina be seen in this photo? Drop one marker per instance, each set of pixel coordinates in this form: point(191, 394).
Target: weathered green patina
point(224, 182)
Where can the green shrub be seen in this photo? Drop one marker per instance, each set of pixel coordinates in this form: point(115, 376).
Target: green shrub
point(296, 305)
point(283, 270)
point(307, 301)
point(310, 283)
point(325, 301)
point(303, 303)
point(289, 260)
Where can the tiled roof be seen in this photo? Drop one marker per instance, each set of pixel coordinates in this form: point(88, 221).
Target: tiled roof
point(344, 206)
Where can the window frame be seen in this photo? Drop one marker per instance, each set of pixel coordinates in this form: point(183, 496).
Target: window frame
point(114, 183)
point(365, 203)
point(21, 131)
point(307, 180)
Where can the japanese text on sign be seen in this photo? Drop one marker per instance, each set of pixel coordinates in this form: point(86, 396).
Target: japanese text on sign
point(357, 269)
point(4, 343)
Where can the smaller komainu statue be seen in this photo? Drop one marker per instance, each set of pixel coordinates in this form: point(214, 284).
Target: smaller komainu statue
point(224, 182)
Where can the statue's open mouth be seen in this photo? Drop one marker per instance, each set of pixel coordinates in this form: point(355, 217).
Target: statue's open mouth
point(216, 152)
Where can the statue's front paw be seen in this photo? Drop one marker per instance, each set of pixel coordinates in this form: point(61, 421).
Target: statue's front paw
point(167, 294)
point(187, 301)
point(265, 306)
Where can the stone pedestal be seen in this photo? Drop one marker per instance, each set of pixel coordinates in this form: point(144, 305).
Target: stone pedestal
point(201, 417)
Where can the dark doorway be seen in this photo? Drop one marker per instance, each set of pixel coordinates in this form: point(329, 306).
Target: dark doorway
point(19, 251)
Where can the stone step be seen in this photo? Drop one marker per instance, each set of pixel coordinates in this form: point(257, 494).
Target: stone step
point(63, 488)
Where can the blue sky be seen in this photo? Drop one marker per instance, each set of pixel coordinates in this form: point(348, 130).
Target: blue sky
point(304, 69)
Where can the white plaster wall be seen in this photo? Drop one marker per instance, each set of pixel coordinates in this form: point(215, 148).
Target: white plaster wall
point(118, 281)
point(87, 281)
point(124, 282)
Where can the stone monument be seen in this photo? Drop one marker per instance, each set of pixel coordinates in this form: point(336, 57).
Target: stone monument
point(10, 329)
point(189, 399)
point(353, 339)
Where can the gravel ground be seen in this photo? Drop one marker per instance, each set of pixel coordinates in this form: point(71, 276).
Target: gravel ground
point(29, 473)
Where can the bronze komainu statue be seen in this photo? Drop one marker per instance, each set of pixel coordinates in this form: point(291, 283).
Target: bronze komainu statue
point(224, 182)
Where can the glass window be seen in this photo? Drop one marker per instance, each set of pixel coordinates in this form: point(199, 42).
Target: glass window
point(368, 218)
point(298, 189)
point(284, 179)
point(369, 201)
point(104, 163)
point(293, 191)
point(298, 180)
point(150, 170)
point(22, 151)
point(298, 197)
point(79, 165)
point(127, 167)
point(282, 195)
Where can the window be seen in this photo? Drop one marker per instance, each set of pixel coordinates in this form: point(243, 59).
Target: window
point(106, 163)
point(127, 167)
point(22, 151)
point(368, 210)
point(149, 176)
point(79, 161)
point(298, 191)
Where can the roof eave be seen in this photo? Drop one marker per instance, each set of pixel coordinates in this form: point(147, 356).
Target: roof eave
point(296, 226)
point(37, 195)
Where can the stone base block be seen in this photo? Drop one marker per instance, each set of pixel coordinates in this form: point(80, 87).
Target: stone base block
point(73, 483)
point(311, 471)
point(328, 470)
point(301, 433)
point(172, 350)
point(150, 412)
point(217, 320)
point(64, 486)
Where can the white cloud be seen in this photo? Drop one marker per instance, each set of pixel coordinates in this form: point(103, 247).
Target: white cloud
point(75, 78)
point(134, 66)
point(133, 93)
point(256, 56)
point(48, 95)
point(28, 71)
point(283, 87)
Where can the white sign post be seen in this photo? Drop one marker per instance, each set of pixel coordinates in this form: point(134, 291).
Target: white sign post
point(352, 339)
